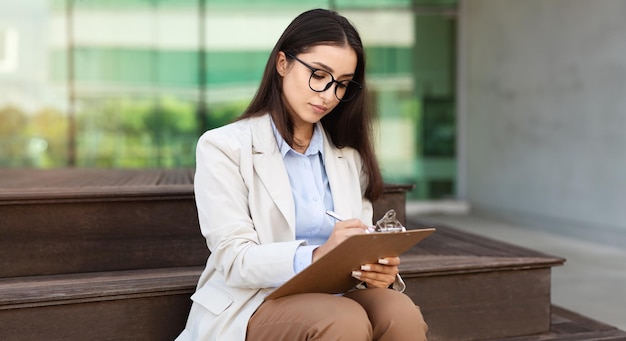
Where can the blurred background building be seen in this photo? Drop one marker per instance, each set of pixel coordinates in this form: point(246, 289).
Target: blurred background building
point(133, 83)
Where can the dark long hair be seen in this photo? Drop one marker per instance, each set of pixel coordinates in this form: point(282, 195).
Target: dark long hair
point(350, 123)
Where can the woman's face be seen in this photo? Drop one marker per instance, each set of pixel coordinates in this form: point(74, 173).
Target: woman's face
point(306, 106)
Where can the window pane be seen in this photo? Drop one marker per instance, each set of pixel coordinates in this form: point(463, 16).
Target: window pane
point(411, 58)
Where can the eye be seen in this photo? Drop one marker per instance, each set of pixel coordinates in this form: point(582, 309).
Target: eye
point(319, 74)
point(343, 84)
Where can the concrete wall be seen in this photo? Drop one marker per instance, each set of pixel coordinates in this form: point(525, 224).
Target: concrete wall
point(543, 113)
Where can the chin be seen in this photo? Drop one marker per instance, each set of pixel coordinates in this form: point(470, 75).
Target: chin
point(312, 118)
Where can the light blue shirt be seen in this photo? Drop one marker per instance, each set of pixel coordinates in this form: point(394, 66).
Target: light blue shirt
point(311, 195)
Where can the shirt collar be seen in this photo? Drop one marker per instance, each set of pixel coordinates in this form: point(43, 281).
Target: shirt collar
point(315, 146)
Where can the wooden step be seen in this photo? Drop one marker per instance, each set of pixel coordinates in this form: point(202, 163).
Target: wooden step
point(488, 288)
point(153, 305)
point(567, 325)
point(87, 220)
point(84, 220)
point(130, 305)
point(468, 288)
point(155, 293)
point(125, 246)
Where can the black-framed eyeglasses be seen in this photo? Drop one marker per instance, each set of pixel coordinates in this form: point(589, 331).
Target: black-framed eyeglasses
point(321, 80)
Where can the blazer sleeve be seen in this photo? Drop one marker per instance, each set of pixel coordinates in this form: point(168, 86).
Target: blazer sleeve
point(221, 194)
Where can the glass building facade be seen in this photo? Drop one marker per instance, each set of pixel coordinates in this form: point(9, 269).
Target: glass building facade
point(133, 83)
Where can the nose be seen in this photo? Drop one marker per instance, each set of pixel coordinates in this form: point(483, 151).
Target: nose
point(329, 94)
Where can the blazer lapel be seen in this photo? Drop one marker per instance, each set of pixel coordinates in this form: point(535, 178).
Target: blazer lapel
point(270, 167)
point(337, 171)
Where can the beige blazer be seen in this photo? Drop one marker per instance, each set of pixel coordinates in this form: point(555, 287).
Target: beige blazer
point(247, 216)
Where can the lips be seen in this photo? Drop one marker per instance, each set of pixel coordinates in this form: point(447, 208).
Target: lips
point(319, 109)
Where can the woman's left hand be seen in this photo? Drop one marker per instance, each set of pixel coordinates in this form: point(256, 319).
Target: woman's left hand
point(379, 275)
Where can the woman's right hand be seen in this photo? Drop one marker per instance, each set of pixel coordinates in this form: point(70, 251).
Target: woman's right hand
point(343, 230)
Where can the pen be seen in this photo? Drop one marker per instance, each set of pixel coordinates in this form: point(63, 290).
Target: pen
point(340, 218)
point(335, 215)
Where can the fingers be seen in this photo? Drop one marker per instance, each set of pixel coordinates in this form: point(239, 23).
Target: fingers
point(378, 271)
point(346, 228)
point(373, 279)
point(389, 261)
point(355, 226)
point(379, 275)
point(350, 223)
point(343, 229)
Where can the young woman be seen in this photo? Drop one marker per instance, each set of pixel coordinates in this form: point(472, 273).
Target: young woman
point(263, 184)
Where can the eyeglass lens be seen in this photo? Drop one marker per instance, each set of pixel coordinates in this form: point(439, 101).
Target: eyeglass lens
point(322, 80)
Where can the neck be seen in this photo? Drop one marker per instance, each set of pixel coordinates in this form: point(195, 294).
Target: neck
point(302, 137)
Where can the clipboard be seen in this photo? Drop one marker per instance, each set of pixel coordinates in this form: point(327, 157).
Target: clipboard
point(331, 274)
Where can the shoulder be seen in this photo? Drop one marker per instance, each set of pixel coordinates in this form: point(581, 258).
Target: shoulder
point(231, 131)
point(226, 140)
point(235, 133)
point(241, 136)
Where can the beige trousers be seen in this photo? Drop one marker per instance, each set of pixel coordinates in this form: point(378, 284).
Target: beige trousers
point(368, 314)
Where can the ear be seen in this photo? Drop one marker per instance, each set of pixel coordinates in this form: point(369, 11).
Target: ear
point(281, 63)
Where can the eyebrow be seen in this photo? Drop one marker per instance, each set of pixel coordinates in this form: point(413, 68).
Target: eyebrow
point(330, 69)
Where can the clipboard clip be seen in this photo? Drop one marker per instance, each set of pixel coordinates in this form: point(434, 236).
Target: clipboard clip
point(389, 223)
